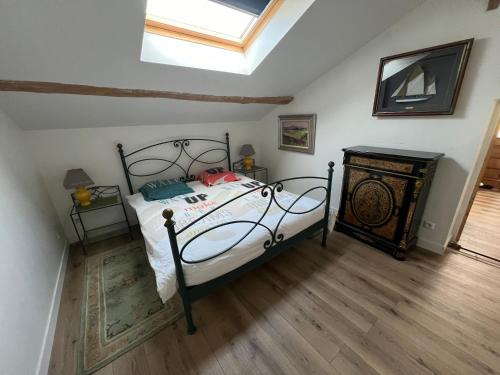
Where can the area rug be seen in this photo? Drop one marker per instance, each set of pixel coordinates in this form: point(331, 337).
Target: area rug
point(121, 307)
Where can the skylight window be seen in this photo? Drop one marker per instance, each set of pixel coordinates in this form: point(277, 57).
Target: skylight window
point(230, 24)
point(203, 16)
point(232, 36)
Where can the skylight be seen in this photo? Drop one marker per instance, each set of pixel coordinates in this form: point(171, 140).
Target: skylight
point(231, 36)
point(203, 16)
point(228, 24)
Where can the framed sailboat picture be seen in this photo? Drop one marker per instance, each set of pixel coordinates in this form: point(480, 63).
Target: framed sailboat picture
point(423, 82)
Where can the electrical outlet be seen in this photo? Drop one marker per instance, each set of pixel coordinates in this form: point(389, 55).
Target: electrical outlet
point(429, 225)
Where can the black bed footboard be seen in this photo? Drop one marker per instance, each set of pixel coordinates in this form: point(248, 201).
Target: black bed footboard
point(274, 244)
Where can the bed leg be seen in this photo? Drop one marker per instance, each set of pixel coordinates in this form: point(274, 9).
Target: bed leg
point(191, 328)
point(327, 203)
point(181, 282)
point(325, 233)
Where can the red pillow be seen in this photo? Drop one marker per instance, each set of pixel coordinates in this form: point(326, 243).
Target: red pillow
point(216, 176)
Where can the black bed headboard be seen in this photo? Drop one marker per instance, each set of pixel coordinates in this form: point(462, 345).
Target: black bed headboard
point(183, 159)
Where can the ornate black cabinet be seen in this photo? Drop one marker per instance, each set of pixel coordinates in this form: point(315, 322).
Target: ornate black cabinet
point(383, 196)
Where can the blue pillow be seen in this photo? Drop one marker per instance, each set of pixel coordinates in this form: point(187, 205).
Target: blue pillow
point(164, 189)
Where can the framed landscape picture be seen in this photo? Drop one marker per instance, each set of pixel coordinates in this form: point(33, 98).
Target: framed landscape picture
point(297, 133)
point(422, 82)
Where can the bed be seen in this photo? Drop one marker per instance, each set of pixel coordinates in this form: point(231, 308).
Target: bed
point(222, 231)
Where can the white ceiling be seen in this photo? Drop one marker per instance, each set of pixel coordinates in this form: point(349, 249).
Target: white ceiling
point(98, 42)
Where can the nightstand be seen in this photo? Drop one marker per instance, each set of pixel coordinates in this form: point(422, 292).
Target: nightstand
point(256, 170)
point(102, 197)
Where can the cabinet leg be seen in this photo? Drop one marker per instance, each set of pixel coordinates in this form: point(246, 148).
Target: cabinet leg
point(399, 255)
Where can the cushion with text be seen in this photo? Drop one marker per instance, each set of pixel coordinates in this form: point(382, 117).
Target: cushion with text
point(164, 189)
point(217, 176)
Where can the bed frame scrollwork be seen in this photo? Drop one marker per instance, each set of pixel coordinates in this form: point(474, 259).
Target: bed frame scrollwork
point(274, 244)
point(183, 146)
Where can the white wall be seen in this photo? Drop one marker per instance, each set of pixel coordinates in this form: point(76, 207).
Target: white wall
point(343, 98)
point(94, 150)
point(31, 258)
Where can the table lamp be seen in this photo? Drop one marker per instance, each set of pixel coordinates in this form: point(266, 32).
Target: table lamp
point(247, 151)
point(77, 179)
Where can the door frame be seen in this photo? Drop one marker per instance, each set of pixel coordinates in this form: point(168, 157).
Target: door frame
point(475, 176)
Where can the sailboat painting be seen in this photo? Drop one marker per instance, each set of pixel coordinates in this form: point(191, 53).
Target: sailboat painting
point(417, 87)
point(423, 82)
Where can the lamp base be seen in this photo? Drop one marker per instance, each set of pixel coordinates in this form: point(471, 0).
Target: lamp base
point(82, 195)
point(247, 163)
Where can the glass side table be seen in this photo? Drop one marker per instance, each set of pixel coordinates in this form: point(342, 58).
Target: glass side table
point(102, 197)
point(254, 172)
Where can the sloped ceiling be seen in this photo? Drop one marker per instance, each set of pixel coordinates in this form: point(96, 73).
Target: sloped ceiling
point(98, 42)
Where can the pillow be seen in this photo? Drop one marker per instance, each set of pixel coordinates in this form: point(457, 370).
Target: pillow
point(216, 176)
point(164, 189)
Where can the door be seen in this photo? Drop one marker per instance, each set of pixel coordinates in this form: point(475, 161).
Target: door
point(480, 229)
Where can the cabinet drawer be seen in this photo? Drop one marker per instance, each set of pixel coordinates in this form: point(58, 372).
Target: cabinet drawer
point(381, 164)
point(495, 152)
point(492, 173)
point(493, 163)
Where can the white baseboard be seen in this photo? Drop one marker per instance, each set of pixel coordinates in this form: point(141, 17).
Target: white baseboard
point(50, 329)
point(432, 246)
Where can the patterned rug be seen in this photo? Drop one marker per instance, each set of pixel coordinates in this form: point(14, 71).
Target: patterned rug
point(121, 307)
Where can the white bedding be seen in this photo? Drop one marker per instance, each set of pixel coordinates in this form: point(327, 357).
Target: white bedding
point(191, 206)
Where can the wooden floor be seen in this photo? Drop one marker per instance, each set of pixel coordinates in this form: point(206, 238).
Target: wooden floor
point(482, 230)
point(345, 310)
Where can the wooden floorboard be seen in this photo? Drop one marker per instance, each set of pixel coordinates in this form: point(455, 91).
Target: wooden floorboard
point(347, 309)
point(481, 232)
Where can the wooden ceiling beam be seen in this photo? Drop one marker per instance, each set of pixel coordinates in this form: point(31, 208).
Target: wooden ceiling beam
point(493, 4)
point(67, 88)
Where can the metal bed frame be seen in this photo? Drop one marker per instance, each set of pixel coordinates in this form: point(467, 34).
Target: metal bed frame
point(273, 246)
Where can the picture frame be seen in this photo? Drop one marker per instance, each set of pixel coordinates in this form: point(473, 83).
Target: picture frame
point(297, 133)
point(424, 82)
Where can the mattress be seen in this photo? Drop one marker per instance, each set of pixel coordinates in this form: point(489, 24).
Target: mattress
point(187, 208)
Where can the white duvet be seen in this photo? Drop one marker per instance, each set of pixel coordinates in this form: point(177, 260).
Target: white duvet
point(191, 206)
